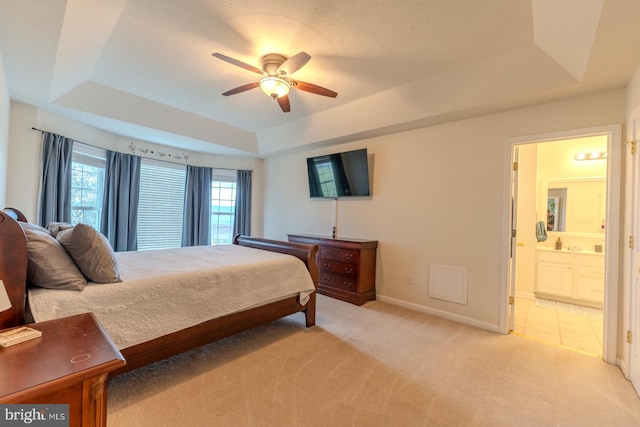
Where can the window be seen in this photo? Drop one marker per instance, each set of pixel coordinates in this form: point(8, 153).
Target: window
point(87, 184)
point(223, 203)
point(161, 205)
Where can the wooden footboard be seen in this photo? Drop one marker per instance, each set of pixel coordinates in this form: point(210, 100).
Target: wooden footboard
point(208, 332)
point(225, 326)
point(307, 253)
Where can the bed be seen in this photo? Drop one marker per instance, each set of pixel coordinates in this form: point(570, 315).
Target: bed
point(252, 264)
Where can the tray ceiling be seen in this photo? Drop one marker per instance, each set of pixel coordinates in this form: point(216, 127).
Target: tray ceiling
point(143, 68)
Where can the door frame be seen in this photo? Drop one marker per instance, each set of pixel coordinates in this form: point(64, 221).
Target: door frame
point(511, 307)
point(612, 236)
point(630, 358)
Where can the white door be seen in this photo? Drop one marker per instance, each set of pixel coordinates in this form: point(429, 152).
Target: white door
point(526, 219)
point(514, 238)
point(633, 291)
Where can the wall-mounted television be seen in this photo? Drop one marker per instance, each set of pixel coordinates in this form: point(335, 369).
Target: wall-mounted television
point(336, 175)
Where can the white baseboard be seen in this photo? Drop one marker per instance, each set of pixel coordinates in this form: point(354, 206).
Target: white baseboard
point(622, 364)
point(439, 313)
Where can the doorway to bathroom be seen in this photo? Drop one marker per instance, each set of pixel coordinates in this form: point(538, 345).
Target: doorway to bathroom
point(559, 281)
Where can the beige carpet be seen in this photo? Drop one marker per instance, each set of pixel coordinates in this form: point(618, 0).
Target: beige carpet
point(375, 365)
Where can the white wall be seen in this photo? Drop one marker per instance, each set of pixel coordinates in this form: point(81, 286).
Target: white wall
point(24, 160)
point(436, 198)
point(633, 94)
point(25, 147)
point(4, 133)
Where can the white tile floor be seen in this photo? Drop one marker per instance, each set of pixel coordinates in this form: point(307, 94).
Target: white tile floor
point(572, 326)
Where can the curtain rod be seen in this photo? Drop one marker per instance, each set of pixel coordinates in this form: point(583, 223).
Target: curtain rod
point(46, 131)
point(159, 160)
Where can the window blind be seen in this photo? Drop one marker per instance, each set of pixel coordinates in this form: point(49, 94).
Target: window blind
point(161, 205)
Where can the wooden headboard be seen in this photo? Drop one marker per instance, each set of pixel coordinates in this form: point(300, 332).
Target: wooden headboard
point(13, 266)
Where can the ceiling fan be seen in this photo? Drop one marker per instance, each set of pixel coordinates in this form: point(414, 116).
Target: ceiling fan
point(275, 80)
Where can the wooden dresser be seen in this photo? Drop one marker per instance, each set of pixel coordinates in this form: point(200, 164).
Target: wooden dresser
point(347, 267)
point(67, 365)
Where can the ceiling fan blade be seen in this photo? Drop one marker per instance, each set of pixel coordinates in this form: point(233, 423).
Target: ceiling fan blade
point(294, 63)
point(310, 87)
point(284, 103)
point(238, 63)
point(241, 89)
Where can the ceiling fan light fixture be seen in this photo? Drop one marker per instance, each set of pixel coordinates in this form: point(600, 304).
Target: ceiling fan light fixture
point(274, 86)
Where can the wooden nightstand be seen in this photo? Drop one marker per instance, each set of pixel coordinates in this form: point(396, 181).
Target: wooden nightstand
point(68, 364)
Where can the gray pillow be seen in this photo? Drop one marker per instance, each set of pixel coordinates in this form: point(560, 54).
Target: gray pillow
point(92, 252)
point(49, 265)
point(36, 227)
point(55, 227)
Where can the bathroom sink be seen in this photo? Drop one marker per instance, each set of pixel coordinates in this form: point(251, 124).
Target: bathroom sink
point(570, 249)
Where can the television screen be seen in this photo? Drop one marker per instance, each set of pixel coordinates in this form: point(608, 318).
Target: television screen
point(339, 175)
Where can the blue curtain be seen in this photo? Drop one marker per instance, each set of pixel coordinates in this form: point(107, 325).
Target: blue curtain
point(242, 219)
point(120, 202)
point(55, 188)
point(196, 227)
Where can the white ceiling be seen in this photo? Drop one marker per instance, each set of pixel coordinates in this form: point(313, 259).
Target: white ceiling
point(143, 68)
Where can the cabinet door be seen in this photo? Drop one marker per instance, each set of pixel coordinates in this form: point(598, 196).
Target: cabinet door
point(555, 278)
point(590, 283)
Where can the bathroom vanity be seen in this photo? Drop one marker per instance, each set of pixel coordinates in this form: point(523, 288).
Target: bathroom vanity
point(575, 277)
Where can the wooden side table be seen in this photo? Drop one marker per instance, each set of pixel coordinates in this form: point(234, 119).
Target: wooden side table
point(67, 365)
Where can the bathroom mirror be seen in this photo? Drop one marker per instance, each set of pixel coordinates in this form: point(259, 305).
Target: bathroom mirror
point(556, 198)
point(576, 205)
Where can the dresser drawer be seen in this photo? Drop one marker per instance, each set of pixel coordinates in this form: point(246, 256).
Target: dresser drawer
point(339, 254)
point(339, 268)
point(337, 281)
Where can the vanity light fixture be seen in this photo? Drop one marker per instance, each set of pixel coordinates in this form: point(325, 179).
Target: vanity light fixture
point(594, 155)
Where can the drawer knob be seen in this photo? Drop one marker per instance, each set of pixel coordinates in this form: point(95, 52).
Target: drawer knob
point(348, 256)
point(348, 284)
point(348, 270)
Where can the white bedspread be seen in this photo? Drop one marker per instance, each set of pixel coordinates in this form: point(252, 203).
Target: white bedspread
point(168, 290)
